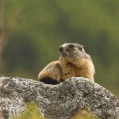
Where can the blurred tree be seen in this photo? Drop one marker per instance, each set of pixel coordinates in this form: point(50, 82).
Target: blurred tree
point(2, 34)
point(5, 28)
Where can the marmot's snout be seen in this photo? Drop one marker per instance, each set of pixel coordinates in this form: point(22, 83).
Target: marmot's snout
point(66, 48)
point(62, 51)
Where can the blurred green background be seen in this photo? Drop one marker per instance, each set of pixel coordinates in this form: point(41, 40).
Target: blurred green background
point(34, 30)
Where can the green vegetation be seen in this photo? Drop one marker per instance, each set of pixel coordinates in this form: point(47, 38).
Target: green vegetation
point(31, 112)
point(41, 26)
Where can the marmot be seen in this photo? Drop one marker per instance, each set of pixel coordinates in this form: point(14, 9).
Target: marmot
point(73, 62)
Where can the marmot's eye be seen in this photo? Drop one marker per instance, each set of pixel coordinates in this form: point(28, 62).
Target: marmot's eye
point(81, 47)
point(71, 45)
point(67, 50)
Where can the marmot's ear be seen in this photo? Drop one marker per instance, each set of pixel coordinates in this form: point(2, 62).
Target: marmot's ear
point(81, 46)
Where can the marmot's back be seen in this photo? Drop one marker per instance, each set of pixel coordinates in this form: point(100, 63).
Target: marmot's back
point(51, 74)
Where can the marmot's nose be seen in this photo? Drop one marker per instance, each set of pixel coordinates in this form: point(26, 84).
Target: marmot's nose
point(61, 49)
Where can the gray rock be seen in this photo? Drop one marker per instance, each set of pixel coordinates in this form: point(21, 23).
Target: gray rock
point(60, 101)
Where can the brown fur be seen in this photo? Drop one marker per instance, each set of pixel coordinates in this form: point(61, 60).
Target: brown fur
point(73, 62)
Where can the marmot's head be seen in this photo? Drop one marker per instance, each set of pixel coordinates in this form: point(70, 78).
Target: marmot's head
point(72, 51)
